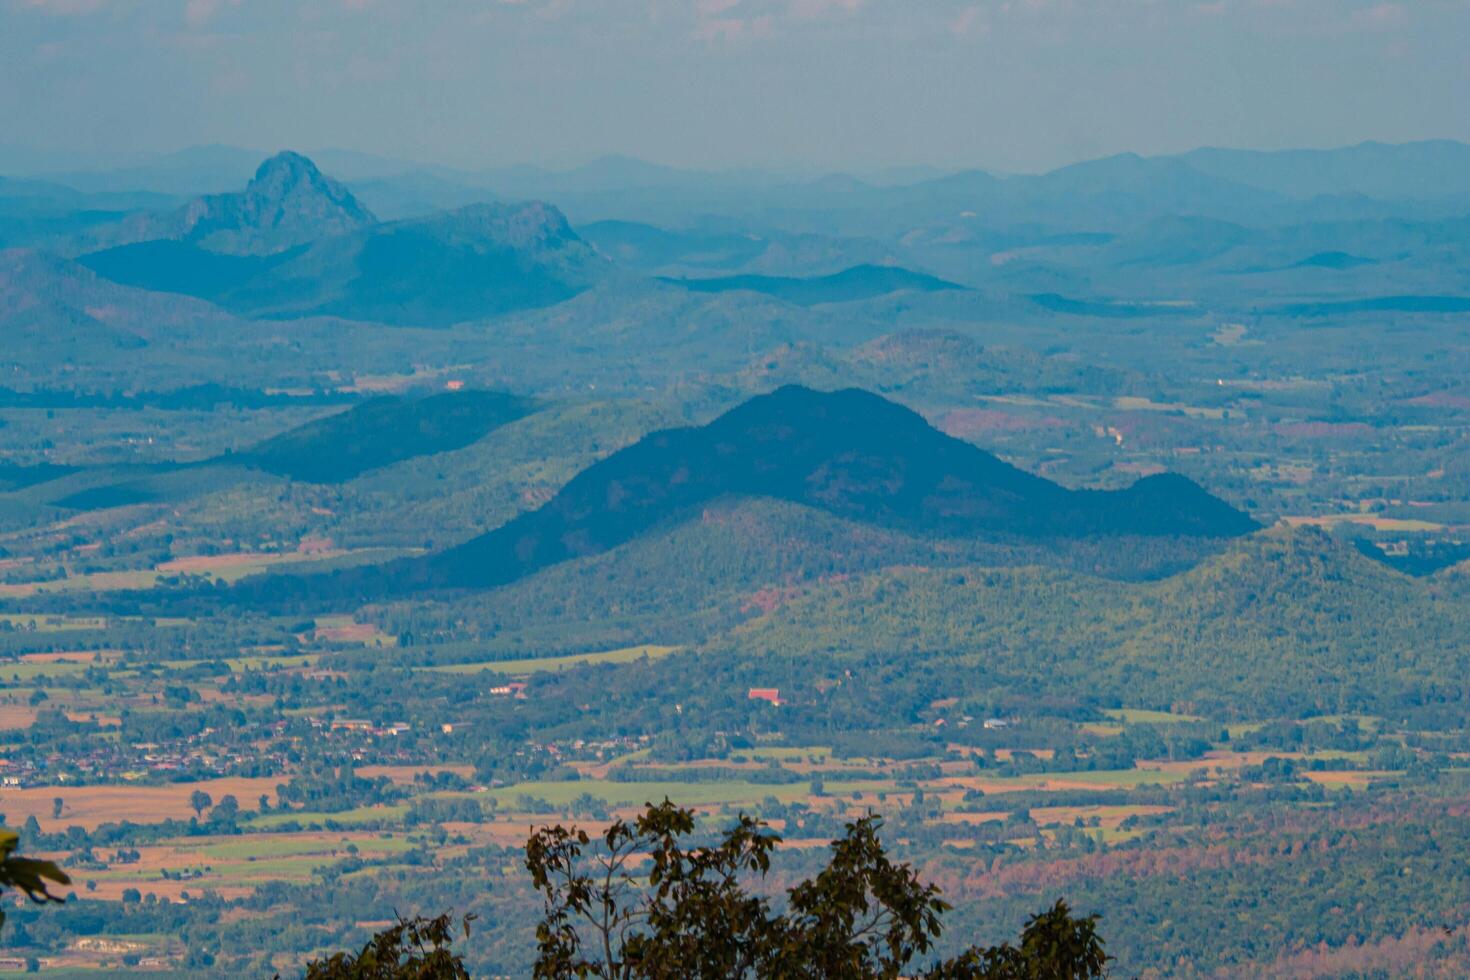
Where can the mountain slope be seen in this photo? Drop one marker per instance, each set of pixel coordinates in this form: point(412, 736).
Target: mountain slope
point(729, 562)
point(850, 453)
point(478, 261)
point(51, 307)
point(380, 432)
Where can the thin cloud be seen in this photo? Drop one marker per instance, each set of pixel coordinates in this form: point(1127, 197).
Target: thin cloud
point(1380, 17)
point(812, 9)
point(969, 22)
point(64, 8)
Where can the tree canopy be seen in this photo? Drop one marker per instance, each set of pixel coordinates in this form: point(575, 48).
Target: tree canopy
point(32, 876)
point(638, 904)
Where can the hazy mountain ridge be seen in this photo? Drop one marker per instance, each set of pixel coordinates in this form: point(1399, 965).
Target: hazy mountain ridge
point(297, 243)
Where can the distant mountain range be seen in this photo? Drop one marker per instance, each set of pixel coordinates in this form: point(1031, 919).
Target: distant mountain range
point(296, 243)
point(1203, 181)
point(850, 453)
point(1372, 169)
point(1424, 169)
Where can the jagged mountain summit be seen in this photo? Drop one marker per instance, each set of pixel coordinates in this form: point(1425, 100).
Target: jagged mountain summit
point(851, 453)
point(289, 202)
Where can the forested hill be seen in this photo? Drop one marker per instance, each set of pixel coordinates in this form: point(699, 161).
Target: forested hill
point(1284, 622)
point(850, 453)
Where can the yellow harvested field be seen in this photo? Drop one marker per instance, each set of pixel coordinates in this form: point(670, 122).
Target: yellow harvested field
point(16, 716)
point(90, 806)
point(1392, 524)
point(72, 656)
point(53, 624)
point(403, 775)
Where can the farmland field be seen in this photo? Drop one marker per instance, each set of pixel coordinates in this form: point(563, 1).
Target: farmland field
point(537, 665)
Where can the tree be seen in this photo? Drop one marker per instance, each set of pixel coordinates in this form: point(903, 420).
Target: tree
point(414, 949)
point(199, 801)
point(226, 811)
point(638, 905)
point(56, 807)
point(1055, 945)
point(27, 874)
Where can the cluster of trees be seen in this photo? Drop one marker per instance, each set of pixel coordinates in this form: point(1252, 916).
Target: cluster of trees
point(641, 904)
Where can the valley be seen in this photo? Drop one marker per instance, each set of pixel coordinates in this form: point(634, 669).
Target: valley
point(1113, 546)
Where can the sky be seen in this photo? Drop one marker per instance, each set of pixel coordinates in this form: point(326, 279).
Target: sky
point(853, 85)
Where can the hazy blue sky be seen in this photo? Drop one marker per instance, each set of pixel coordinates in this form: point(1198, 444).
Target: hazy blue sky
point(856, 84)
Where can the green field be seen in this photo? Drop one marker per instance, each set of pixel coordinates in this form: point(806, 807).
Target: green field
point(1142, 716)
point(519, 668)
point(1125, 777)
point(263, 847)
point(789, 754)
point(360, 815)
point(53, 624)
point(22, 672)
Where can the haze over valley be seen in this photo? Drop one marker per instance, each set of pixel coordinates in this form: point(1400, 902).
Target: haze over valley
point(1095, 523)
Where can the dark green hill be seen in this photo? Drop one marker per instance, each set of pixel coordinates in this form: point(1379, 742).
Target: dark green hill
point(730, 562)
point(1332, 260)
point(850, 453)
point(170, 266)
point(859, 282)
point(382, 431)
point(1283, 622)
